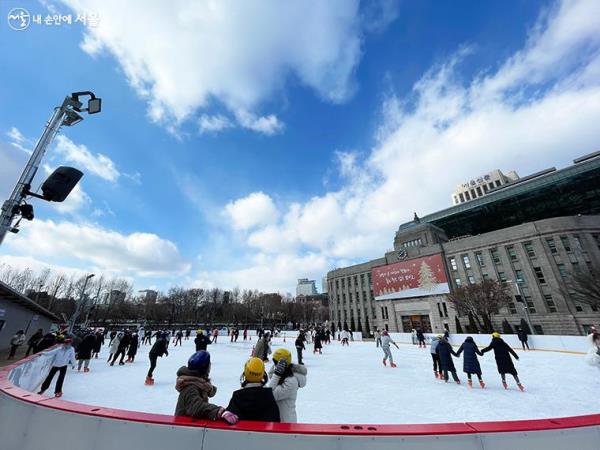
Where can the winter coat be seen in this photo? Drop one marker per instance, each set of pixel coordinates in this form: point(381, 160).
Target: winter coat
point(433, 347)
point(285, 393)
point(420, 335)
point(300, 342)
point(159, 348)
point(522, 335)
point(254, 402)
point(386, 340)
point(46, 342)
point(133, 346)
point(317, 342)
point(194, 391)
point(502, 354)
point(470, 361)
point(84, 351)
point(201, 342)
point(17, 339)
point(99, 342)
point(33, 340)
point(115, 343)
point(62, 356)
point(445, 352)
point(125, 341)
point(262, 349)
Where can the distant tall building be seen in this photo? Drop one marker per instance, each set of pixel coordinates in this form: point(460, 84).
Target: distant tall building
point(117, 296)
point(480, 186)
point(150, 297)
point(306, 287)
point(324, 284)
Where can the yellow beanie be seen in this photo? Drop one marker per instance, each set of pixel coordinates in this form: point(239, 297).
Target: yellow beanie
point(495, 334)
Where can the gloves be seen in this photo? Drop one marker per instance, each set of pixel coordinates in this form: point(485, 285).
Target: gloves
point(280, 367)
point(228, 416)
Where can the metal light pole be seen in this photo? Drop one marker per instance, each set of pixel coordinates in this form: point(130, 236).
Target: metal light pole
point(80, 304)
point(525, 307)
point(66, 114)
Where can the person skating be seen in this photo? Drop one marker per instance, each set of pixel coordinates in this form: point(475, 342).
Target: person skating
point(470, 362)
point(420, 338)
point(345, 338)
point(263, 347)
point(445, 352)
point(317, 345)
point(32, 342)
point(386, 340)
point(147, 337)
point(285, 380)
point(245, 336)
point(98, 344)
point(84, 351)
point(122, 349)
point(437, 371)
point(133, 347)
point(15, 342)
point(178, 337)
point(502, 353)
point(254, 401)
point(593, 355)
point(300, 346)
point(377, 338)
point(413, 336)
point(195, 388)
point(61, 358)
point(158, 350)
point(188, 333)
point(215, 335)
point(114, 345)
point(522, 335)
point(201, 341)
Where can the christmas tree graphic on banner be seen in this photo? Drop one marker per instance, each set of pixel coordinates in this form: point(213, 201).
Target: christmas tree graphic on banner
point(427, 279)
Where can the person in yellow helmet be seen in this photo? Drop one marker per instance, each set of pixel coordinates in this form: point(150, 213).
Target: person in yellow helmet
point(502, 353)
point(254, 401)
point(286, 379)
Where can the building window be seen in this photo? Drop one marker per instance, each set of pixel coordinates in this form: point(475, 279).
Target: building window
point(512, 308)
point(355, 280)
point(453, 263)
point(462, 197)
point(520, 277)
point(440, 310)
point(350, 297)
point(479, 258)
point(369, 278)
point(529, 249)
point(578, 308)
point(467, 196)
point(337, 284)
point(362, 279)
point(530, 305)
point(576, 268)
point(564, 240)
point(540, 275)
point(364, 295)
point(466, 261)
point(445, 309)
point(512, 254)
point(471, 279)
point(343, 283)
point(550, 303)
point(485, 276)
point(495, 256)
point(502, 277)
point(457, 281)
point(577, 241)
point(479, 193)
point(551, 245)
point(562, 271)
point(344, 299)
point(498, 183)
point(473, 195)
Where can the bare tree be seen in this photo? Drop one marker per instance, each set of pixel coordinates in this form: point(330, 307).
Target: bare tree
point(584, 286)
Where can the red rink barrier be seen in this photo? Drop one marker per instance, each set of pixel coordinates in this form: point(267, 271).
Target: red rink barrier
point(33, 422)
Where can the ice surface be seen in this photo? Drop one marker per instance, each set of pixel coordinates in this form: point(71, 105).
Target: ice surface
point(350, 385)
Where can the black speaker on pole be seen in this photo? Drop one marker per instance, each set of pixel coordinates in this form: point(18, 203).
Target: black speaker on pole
point(60, 183)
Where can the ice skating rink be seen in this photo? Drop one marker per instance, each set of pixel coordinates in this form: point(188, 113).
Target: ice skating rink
point(350, 385)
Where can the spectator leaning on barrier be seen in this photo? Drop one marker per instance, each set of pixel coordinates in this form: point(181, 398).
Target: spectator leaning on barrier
point(15, 342)
point(254, 401)
point(32, 342)
point(195, 389)
point(61, 357)
point(286, 379)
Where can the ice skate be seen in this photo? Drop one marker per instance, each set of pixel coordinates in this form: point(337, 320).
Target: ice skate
point(384, 363)
point(435, 374)
point(482, 384)
point(58, 394)
point(392, 365)
point(457, 381)
point(505, 385)
point(79, 369)
point(149, 381)
point(470, 383)
point(86, 369)
point(521, 387)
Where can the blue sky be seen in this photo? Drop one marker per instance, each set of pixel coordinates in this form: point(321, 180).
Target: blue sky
point(250, 144)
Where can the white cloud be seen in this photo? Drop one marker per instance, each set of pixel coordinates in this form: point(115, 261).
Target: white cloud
point(19, 141)
point(268, 125)
point(97, 164)
point(541, 108)
point(212, 124)
point(139, 254)
point(248, 212)
point(236, 53)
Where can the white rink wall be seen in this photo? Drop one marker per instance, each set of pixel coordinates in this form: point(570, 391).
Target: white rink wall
point(537, 342)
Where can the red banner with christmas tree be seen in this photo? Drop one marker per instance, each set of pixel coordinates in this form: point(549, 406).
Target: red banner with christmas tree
point(413, 278)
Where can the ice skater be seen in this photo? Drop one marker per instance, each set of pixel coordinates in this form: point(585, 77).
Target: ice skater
point(421, 338)
point(470, 362)
point(133, 347)
point(158, 349)
point(178, 337)
point(317, 346)
point(114, 345)
point(61, 358)
point(201, 341)
point(345, 338)
point(215, 335)
point(522, 335)
point(84, 351)
point(437, 370)
point(502, 353)
point(593, 354)
point(386, 340)
point(377, 338)
point(445, 352)
point(300, 346)
point(122, 349)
